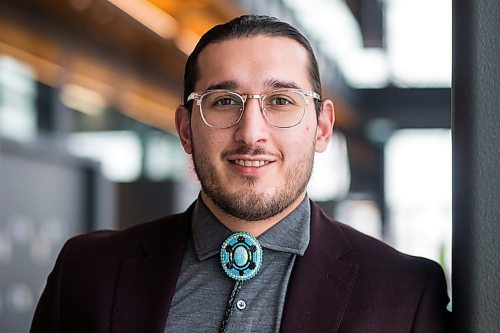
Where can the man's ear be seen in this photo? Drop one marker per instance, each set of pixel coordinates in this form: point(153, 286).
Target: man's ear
point(183, 126)
point(326, 119)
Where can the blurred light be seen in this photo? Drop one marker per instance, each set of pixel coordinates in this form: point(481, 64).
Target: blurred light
point(19, 297)
point(154, 110)
point(366, 68)
point(164, 157)
point(119, 152)
point(82, 99)
point(46, 71)
point(20, 229)
point(5, 249)
point(418, 192)
point(331, 175)
point(186, 41)
point(150, 16)
point(361, 214)
point(419, 42)
point(41, 251)
point(17, 99)
point(339, 37)
point(419, 160)
point(53, 229)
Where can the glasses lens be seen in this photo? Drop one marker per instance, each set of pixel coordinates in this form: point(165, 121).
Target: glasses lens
point(221, 109)
point(284, 108)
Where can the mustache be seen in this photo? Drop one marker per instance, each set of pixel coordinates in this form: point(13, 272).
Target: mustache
point(250, 150)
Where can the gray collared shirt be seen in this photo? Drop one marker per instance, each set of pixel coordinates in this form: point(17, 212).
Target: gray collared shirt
point(203, 289)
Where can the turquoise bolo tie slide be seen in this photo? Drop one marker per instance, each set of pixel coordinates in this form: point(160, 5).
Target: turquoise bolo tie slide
point(241, 256)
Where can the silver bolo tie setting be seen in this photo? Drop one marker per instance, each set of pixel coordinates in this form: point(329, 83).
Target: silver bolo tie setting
point(241, 259)
point(241, 256)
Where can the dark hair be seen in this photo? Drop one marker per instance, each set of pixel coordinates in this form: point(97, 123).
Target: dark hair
point(241, 27)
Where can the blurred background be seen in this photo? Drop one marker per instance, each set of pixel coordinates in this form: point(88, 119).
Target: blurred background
point(88, 90)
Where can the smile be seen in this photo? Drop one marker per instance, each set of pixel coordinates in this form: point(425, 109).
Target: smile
point(248, 163)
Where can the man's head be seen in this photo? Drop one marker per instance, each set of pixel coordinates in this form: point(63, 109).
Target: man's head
point(244, 27)
point(253, 170)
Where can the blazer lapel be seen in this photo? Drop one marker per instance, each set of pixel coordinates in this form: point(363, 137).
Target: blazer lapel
point(146, 284)
point(321, 282)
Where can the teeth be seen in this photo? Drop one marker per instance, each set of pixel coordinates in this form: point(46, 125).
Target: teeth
point(251, 163)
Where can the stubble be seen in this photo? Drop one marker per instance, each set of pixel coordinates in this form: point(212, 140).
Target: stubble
point(251, 205)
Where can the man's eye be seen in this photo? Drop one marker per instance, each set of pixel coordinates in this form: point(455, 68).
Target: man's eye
point(225, 101)
point(280, 101)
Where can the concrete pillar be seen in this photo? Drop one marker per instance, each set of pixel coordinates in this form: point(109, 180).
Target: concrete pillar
point(476, 165)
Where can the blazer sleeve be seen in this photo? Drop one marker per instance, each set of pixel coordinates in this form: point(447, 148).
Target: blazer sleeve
point(47, 313)
point(432, 315)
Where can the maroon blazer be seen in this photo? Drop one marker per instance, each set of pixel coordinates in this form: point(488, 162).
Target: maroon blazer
point(123, 281)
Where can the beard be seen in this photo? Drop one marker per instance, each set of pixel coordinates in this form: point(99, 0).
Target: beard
point(251, 205)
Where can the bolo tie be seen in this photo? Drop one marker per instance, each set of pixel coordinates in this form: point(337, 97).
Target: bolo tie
point(241, 259)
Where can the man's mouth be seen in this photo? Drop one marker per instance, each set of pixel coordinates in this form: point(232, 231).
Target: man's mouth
point(248, 163)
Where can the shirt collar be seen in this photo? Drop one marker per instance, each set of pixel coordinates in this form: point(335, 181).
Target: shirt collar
point(291, 234)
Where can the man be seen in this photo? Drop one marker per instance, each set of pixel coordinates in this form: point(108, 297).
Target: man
point(252, 254)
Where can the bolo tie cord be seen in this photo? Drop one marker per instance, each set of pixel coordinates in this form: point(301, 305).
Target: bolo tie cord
point(229, 306)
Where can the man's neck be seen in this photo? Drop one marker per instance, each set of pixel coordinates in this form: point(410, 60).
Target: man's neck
point(255, 228)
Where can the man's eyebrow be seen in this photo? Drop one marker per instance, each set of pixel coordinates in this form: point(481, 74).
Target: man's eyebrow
point(278, 84)
point(272, 83)
point(226, 85)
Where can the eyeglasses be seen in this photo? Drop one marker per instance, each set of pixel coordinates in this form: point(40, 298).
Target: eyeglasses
point(283, 108)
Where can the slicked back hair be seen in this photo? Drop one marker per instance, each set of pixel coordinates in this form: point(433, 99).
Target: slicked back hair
point(243, 27)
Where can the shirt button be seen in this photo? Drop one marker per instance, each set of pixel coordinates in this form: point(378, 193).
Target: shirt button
point(241, 305)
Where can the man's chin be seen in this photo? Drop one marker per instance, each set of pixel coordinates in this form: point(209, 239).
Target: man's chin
point(250, 205)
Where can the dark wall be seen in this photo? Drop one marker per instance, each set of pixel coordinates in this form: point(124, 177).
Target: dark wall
point(45, 198)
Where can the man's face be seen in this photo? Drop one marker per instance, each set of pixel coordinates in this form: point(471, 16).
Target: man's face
point(253, 170)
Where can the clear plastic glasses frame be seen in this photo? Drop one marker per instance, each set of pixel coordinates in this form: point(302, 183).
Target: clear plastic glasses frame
point(282, 108)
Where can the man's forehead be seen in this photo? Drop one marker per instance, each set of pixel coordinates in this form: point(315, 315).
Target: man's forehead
point(270, 62)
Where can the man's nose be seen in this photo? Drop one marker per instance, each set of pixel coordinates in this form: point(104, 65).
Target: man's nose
point(253, 127)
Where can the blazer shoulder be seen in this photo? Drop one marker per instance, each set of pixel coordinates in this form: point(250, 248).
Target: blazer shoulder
point(404, 283)
point(376, 254)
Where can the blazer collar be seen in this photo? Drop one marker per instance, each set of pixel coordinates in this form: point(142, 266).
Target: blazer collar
point(321, 281)
point(146, 283)
point(319, 287)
